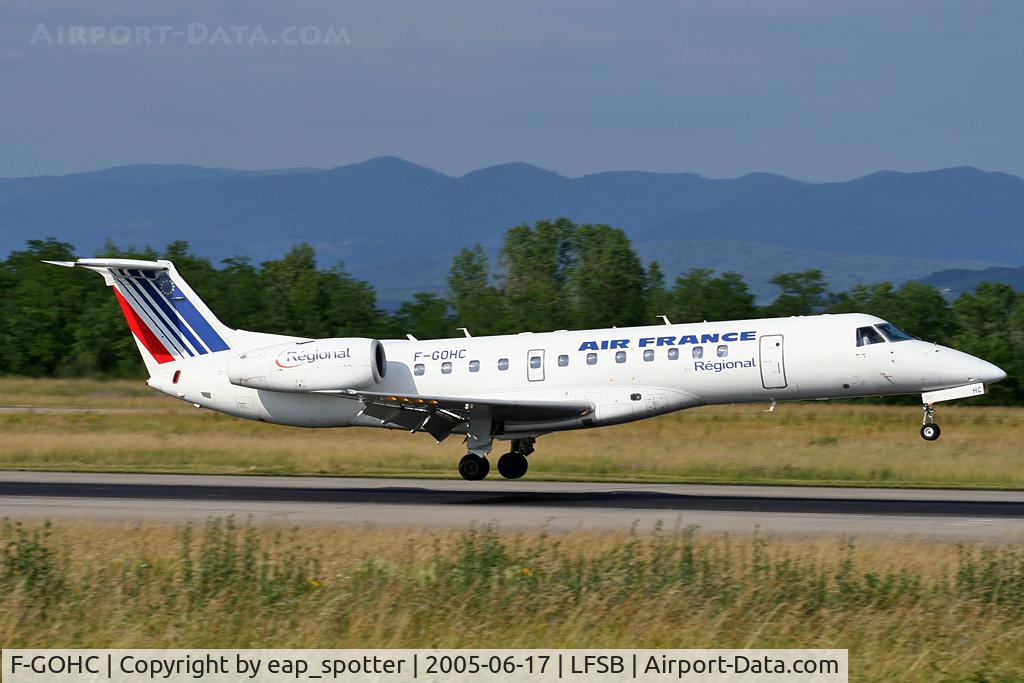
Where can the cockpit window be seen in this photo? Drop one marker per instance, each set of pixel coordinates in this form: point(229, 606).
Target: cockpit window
point(894, 334)
point(868, 335)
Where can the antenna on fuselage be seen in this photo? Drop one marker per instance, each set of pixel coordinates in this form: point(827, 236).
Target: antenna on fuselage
point(410, 337)
point(664, 319)
point(464, 331)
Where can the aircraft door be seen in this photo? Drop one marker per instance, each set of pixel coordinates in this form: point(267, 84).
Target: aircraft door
point(773, 365)
point(535, 365)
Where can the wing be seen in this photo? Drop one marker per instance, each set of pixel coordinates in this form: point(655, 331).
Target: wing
point(438, 415)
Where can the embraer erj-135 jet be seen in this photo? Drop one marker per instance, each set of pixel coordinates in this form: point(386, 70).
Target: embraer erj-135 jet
point(518, 387)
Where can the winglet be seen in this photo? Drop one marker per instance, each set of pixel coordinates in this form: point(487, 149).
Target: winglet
point(65, 264)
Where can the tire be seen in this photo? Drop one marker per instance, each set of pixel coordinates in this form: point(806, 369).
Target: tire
point(930, 432)
point(513, 465)
point(473, 467)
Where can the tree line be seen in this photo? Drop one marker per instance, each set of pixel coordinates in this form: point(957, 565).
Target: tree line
point(550, 275)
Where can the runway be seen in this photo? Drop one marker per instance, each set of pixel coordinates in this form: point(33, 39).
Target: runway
point(515, 504)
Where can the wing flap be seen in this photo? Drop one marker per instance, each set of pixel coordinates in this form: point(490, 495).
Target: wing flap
point(461, 406)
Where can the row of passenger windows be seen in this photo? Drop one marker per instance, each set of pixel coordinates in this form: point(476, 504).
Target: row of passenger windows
point(697, 352)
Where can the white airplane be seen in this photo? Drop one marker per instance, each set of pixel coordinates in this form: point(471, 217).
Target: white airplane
point(518, 387)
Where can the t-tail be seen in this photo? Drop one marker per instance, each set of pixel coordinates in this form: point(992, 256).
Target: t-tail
point(170, 323)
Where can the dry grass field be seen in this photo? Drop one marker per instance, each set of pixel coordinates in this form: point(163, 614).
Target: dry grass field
point(907, 610)
point(128, 427)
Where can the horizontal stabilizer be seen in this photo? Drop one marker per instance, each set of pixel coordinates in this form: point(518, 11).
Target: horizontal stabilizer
point(134, 264)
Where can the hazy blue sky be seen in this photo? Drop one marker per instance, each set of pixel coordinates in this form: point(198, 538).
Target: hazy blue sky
point(813, 90)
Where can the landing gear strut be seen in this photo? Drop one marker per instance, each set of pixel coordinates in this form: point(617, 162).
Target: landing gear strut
point(513, 464)
point(929, 430)
point(479, 437)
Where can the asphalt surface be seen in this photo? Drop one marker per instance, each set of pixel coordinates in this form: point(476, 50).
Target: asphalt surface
point(515, 504)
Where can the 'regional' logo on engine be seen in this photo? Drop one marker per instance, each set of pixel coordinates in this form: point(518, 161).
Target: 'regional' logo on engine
point(294, 358)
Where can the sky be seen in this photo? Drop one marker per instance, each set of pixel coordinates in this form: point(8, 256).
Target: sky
point(812, 89)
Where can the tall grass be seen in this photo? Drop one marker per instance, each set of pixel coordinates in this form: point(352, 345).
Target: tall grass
point(941, 613)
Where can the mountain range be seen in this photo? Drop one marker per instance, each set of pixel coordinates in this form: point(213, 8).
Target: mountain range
point(397, 224)
point(956, 281)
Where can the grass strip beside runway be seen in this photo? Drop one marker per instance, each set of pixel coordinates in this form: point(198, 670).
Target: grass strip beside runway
point(907, 610)
point(124, 426)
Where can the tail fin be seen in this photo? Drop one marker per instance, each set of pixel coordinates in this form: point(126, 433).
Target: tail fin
point(169, 321)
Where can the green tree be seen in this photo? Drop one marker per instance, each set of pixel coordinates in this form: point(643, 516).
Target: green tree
point(292, 294)
point(304, 301)
point(534, 266)
point(40, 309)
point(990, 325)
point(659, 300)
point(472, 294)
point(606, 283)
point(803, 293)
point(914, 306)
point(425, 317)
point(241, 302)
point(698, 295)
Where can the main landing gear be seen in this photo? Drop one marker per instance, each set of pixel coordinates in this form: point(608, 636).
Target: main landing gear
point(929, 429)
point(512, 465)
point(473, 467)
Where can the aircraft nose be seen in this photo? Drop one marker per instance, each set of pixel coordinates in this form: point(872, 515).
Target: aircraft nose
point(989, 373)
point(958, 367)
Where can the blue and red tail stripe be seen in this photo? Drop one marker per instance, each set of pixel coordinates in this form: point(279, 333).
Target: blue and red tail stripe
point(150, 313)
point(142, 332)
point(162, 316)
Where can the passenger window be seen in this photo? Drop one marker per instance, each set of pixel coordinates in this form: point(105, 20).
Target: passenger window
point(698, 351)
point(673, 354)
point(723, 350)
point(868, 335)
point(418, 369)
point(503, 363)
point(474, 366)
point(446, 368)
point(563, 360)
point(591, 359)
point(620, 356)
point(648, 355)
point(534, 362)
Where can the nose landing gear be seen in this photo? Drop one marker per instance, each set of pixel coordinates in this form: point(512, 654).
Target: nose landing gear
point(929, 430)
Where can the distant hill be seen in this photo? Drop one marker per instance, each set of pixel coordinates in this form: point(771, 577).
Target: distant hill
point(397, 223)
point(758, 262)
point(958, 280)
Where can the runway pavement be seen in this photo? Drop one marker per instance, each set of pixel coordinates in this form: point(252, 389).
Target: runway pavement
point(515, 504)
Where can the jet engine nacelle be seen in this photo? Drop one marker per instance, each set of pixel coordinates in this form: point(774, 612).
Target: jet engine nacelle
point(320, 364)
